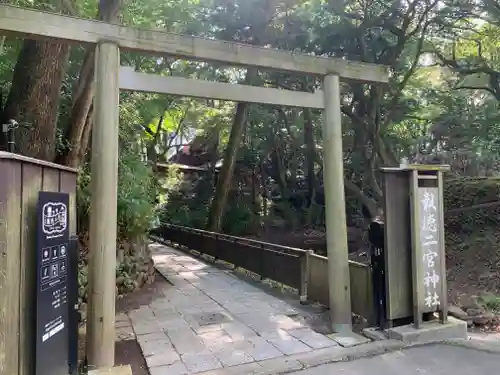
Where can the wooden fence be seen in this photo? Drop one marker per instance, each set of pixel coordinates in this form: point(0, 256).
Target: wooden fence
point(22, 179)
point(298, 268)
point(361, 285)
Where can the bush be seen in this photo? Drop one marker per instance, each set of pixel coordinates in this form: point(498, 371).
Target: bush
point(136, 196)
point(186, 201)
point(239, 220)
point(135, 211)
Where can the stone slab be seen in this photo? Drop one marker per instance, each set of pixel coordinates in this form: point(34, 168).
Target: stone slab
point(261, 350)
point(178, 368)
point(429, 332)
point(374, 334)
point(311, 338)
point(278, 366)
point(246, 369)
point(162, 358)
point(232, 357)
point(195, 336)
point(348, 339)
point(119, 370)
point(185, 342)
point(285, 343)
point(200, 362)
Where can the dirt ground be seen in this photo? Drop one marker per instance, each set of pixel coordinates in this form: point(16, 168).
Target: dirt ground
point(128, 352)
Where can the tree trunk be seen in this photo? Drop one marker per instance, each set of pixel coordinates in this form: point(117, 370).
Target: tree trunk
point(279, 172)
point(224, 180)
point(82, 156)
point(83, 94)
point(33, 99)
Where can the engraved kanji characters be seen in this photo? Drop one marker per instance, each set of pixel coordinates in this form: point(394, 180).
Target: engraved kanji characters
point(432, 300)
point(429, 241)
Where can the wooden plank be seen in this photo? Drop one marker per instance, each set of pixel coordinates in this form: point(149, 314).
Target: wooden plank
point(317, 288)
point(10, 243)
point(25, 159)
point(443, 308)
point(119, 370)
point(67, 184)
point(32, 184)
point(50, 179)
point(48, 25)
point(416, 251)
point(135, 81)
point(361, 286)
point(397, 245)
point(362, 291)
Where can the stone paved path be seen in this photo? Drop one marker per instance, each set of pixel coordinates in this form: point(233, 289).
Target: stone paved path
point(431, 359)
point(211, 320)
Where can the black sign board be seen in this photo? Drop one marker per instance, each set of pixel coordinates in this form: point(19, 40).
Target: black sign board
point(52, 284)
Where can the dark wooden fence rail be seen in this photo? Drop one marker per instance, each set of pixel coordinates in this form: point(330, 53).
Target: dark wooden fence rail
point(283, 264)
point(297, 268)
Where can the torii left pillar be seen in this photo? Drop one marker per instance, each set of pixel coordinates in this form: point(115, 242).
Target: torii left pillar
point(103, 210)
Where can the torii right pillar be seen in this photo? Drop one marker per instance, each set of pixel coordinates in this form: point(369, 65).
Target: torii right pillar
point(335, 215)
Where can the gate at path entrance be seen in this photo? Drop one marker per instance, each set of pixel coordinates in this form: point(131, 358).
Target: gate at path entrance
point(402, 289)
point(110, 40)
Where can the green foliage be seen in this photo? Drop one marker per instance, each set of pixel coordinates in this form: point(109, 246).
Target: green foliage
point(136, 195)
point(239, 219)
point(186, 202)
point(490, 302)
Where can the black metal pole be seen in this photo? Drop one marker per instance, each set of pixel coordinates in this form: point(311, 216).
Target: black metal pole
point(11, 140)
point(377, 244)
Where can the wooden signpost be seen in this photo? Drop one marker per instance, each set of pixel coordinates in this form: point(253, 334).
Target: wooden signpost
point(414, 253)
point(428, 250)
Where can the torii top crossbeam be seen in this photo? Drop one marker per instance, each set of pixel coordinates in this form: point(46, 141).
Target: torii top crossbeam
point(38, 24)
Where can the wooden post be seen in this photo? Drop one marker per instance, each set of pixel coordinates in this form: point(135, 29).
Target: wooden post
point(103, 223)
point(336, 227)
point(417, 289)
point(443, 308)
point(305, 270)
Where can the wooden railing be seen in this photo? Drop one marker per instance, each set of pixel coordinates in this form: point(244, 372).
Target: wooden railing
point(298, 268)
point(361, 285)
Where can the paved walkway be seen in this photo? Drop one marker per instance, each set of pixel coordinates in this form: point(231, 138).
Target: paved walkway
point(213, 322)
point(431, 359)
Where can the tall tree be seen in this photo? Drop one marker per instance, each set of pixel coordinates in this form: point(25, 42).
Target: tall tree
point(33, 99)
point(224, 180)
point(80, 119)
point(247, 22)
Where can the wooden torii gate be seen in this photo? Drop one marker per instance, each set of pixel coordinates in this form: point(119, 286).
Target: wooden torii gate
point(110, 78)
